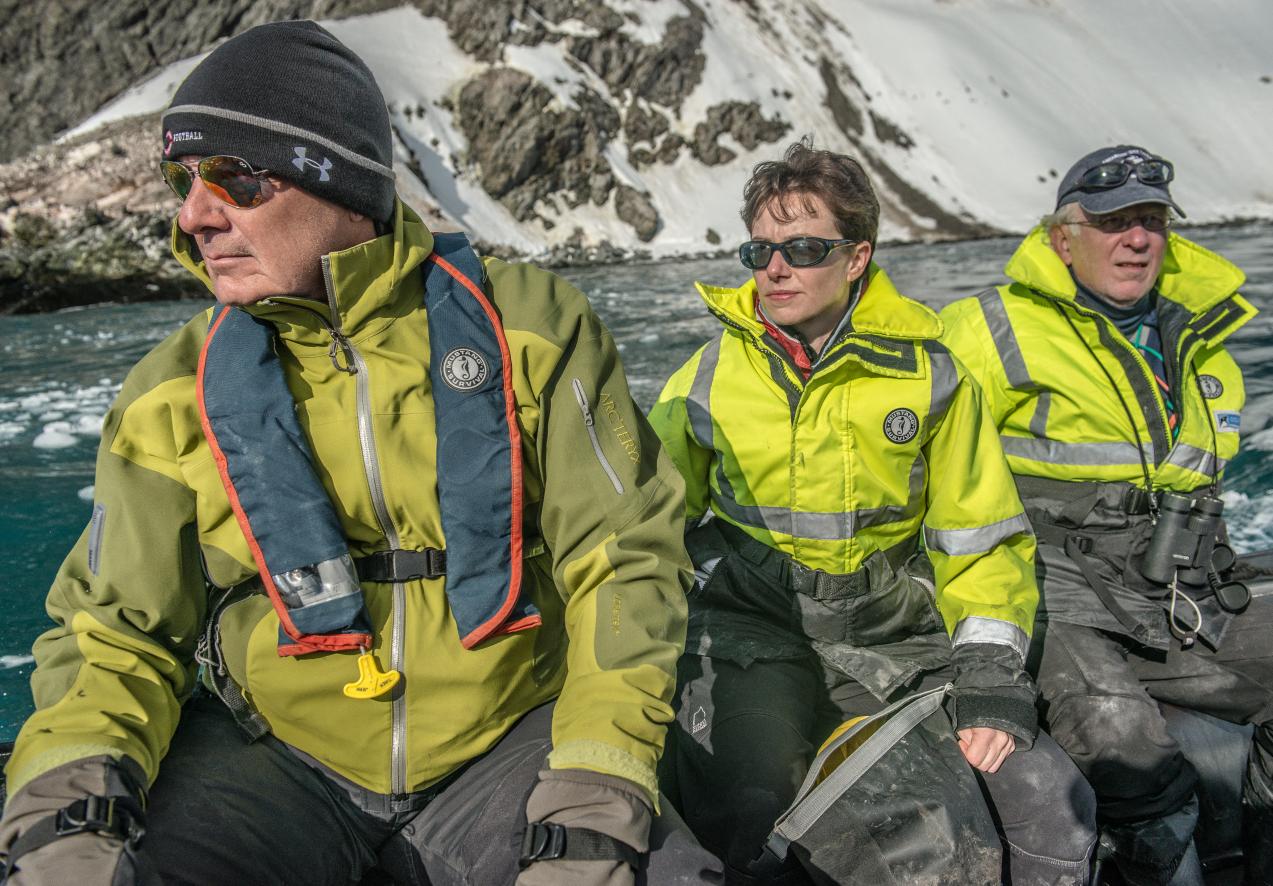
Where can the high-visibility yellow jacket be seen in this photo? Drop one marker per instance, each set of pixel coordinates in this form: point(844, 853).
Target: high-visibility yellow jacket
point(1074, 400)
point(888, 439)
point(605, 561)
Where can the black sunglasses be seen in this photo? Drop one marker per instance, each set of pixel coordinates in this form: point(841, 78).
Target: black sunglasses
point(1116, 173)
point(799, 252)
point(230, 179)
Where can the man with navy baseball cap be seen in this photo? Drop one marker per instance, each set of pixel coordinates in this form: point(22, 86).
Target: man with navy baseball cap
point(1119, 406)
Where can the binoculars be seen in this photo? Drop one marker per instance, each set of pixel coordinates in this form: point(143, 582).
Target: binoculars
point(1183, 548)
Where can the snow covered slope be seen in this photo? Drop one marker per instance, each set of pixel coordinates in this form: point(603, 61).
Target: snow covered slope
point(964, 111)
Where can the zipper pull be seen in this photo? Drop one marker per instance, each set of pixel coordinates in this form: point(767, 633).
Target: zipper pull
point(372, 682)
point(583, 402)
point(340, 344)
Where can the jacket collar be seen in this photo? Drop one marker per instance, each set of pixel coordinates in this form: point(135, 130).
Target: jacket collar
point(881, 310)
point(364, 290)
point(1193, 277)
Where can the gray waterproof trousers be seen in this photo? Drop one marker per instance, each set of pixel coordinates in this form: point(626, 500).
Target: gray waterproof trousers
point(225, 811)
point(1100, 693)
point(744, 738)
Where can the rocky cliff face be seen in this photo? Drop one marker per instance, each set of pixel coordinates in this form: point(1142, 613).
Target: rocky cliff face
point(583, 130)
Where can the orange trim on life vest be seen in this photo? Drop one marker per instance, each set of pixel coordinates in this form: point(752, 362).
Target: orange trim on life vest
point(311, 642)
point(489, 628)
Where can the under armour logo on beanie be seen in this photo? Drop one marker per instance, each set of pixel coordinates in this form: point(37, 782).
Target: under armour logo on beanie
point(291, 98)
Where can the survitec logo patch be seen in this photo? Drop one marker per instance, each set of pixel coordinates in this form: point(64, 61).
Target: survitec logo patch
point(464, 369)
point(901, 425)
point(1211, 386)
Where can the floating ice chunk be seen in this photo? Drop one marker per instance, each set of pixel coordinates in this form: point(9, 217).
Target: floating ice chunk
point(15, 661)
point(88, 424)
point(86, 494)
point(649, 337)
point(54, 439)
point(51, 416)
point(1262, 440)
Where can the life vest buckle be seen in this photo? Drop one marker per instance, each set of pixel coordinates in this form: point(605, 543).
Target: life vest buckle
point(400, 565)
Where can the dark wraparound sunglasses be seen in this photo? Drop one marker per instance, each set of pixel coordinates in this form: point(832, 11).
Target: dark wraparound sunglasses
point(1115, 173)
point(799, 252)
point(230, 179)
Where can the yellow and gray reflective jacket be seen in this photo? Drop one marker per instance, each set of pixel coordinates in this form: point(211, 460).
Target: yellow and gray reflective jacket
point(604, 556)
point(887, 442)
point(1075, 401)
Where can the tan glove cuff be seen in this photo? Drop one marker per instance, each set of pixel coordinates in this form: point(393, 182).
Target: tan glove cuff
point(606, 803)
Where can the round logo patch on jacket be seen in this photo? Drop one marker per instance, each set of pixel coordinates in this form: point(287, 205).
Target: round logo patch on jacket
point(1211, 386)
point(901, 425)
point(464, 369)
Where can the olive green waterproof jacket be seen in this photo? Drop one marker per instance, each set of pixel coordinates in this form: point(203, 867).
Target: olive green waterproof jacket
point(605, 563)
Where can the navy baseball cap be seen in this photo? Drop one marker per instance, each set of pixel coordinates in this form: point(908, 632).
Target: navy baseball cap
point(1109, 179)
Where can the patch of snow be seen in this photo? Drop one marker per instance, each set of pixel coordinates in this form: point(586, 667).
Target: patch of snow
point(998, 97)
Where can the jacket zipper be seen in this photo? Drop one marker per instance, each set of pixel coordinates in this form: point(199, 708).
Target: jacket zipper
point(371, 468)
point(590, 424)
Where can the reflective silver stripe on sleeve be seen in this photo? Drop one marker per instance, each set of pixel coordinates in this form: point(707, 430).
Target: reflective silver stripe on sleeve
point(979, 629)
point(1057, 453)
point(96, 526)
point(698, 403)
point(1191, 458)
point(1005, 340)
point(944, 380)
point(975, 540)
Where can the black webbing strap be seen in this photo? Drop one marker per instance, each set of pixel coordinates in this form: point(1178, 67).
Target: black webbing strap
point(401, 565)
point(98, 815)
point(546, 841)
point(788, 572)
point(1075, 546)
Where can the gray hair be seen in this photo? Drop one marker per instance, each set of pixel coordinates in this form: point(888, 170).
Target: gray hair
point(1066, 215)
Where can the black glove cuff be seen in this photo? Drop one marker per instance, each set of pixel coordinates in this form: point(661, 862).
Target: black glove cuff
point(997, 711)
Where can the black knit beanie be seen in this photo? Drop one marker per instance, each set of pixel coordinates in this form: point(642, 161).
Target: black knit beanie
point(291, 98)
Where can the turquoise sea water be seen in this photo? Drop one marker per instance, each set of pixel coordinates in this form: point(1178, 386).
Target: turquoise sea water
point(59, 372)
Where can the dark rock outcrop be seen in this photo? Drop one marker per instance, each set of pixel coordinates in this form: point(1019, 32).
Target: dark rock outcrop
point(637, 210)
point(743, 121)
point(523, 150)
point(64, 60)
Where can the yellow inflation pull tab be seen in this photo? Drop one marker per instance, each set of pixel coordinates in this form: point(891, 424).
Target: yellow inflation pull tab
point(372, 682)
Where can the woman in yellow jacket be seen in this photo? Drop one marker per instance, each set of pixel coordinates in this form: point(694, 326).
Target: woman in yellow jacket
point(855, 530)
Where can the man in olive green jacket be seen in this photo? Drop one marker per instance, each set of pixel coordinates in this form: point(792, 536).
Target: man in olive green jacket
point(397, 503)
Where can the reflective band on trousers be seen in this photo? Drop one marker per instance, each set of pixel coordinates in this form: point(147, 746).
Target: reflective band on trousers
point(977, 539)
